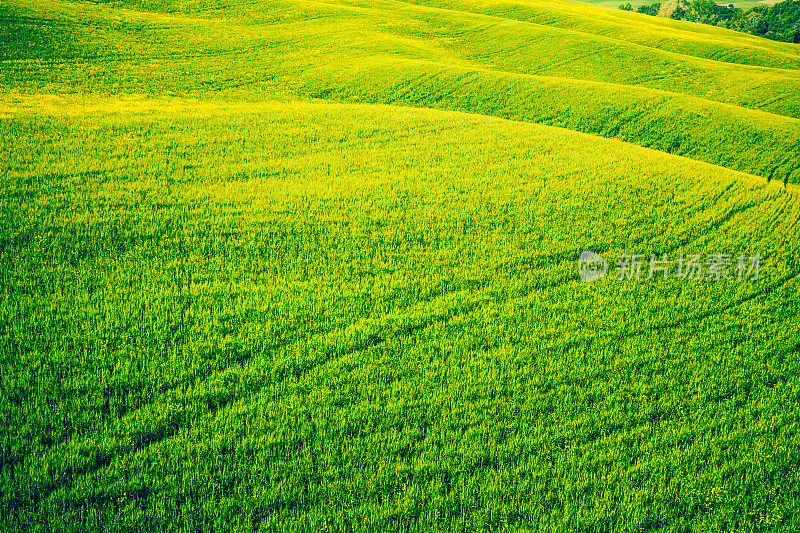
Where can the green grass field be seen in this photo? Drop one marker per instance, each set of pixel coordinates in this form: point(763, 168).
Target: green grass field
point(298, 265)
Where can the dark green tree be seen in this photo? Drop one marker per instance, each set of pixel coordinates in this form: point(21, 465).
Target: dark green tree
point(652, 9)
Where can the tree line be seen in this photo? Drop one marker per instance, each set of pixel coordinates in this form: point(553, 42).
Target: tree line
point(780, 22)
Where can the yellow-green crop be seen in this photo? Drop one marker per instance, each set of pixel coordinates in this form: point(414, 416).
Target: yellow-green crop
point(312, 266)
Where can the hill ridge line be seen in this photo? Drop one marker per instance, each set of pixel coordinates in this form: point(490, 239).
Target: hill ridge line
point(167, 104)
point(198, 17)
point(754, 178)
point(608, 38)
point(663, 92)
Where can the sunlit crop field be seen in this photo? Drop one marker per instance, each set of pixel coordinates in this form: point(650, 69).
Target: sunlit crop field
point(307, 266)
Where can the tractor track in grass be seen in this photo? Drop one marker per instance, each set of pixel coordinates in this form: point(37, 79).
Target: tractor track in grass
point(588, 342)
point(764, 291)
point(715, 224)
point(173, 426)
point(543, 259)
point(295, 336)
point(370, 341)
point(298, 371)
point(587, 437)
point(148, 439)
point(373, 316)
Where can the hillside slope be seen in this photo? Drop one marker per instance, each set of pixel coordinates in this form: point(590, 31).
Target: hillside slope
point(740, 116)
point(302, 266)
point(298, 314)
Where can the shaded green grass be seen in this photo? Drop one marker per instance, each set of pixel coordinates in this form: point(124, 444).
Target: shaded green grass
point(300, 266)
point(293, 316)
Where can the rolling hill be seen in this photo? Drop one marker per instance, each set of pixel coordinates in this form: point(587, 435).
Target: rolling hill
point(297, 265)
